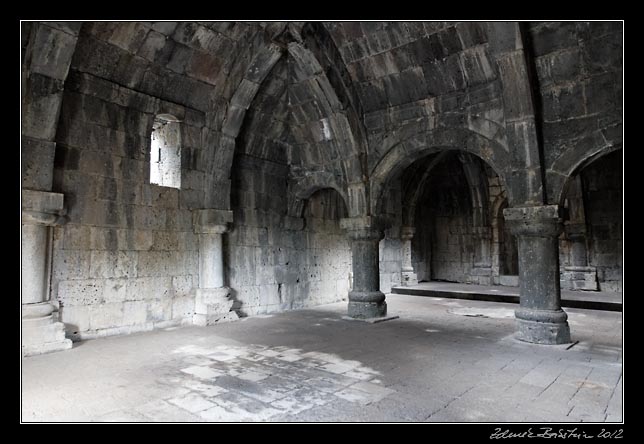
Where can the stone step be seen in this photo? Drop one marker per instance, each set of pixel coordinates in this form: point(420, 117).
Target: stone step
point(38, 338)
point(595, 300)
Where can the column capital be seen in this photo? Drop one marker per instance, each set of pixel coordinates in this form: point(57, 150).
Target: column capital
point(364, 227)
point(211, 221)
point(42, 207)
point(541, 221)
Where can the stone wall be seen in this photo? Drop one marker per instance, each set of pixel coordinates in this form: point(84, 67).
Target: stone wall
point(340, 100)
point(127, 258)
point(272, 268)
point(579, 77)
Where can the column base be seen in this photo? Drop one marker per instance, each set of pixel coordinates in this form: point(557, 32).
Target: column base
point(212, 306)
point(409, 278)
point(43, 335)
point(579, 278)
point(366, 310)
point(203, 320)
point(548, 327)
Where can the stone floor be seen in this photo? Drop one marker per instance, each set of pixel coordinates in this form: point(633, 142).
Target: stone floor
point(443, 360)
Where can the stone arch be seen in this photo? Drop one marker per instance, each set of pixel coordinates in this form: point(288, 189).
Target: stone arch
point(257, 71)
point(222, 155)
point(405, 150)
point(564, 168)
point(48, 54)
point(323, 47)
point(304, 188)
point(335, 98)
point(245, 93)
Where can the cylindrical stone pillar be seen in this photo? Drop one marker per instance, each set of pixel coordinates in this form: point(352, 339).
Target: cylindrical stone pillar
point(211, 259)
point(40, 332)
point(34, 262)
point(365, 299)
point(212, 299)
point(408, 275)
point(540, 318)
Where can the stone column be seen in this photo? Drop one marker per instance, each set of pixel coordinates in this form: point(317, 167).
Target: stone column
point(408, 275)
point(540, 318)
point(40, 331)
point(212, 299)
point(365, 299)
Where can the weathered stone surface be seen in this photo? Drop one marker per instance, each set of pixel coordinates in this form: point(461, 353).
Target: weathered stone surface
point(549, 37)
point(261, 106)
point(42, 338)
point(42, 202)
point(41, 107)
point(52, 52)
point(540, 318)
point(38, 164)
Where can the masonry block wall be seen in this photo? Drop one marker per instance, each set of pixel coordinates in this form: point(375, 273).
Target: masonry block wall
point(272, 268)
point(327, 273)
point(284, 102)
point(127, 258)
point(579, 73)
point(579, 70)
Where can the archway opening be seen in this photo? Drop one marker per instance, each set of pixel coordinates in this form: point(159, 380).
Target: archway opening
point(450, 199)
point(590, 247)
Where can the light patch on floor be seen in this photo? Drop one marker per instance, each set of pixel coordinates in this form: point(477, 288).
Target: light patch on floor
point(258, 383)
point(480, 312)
